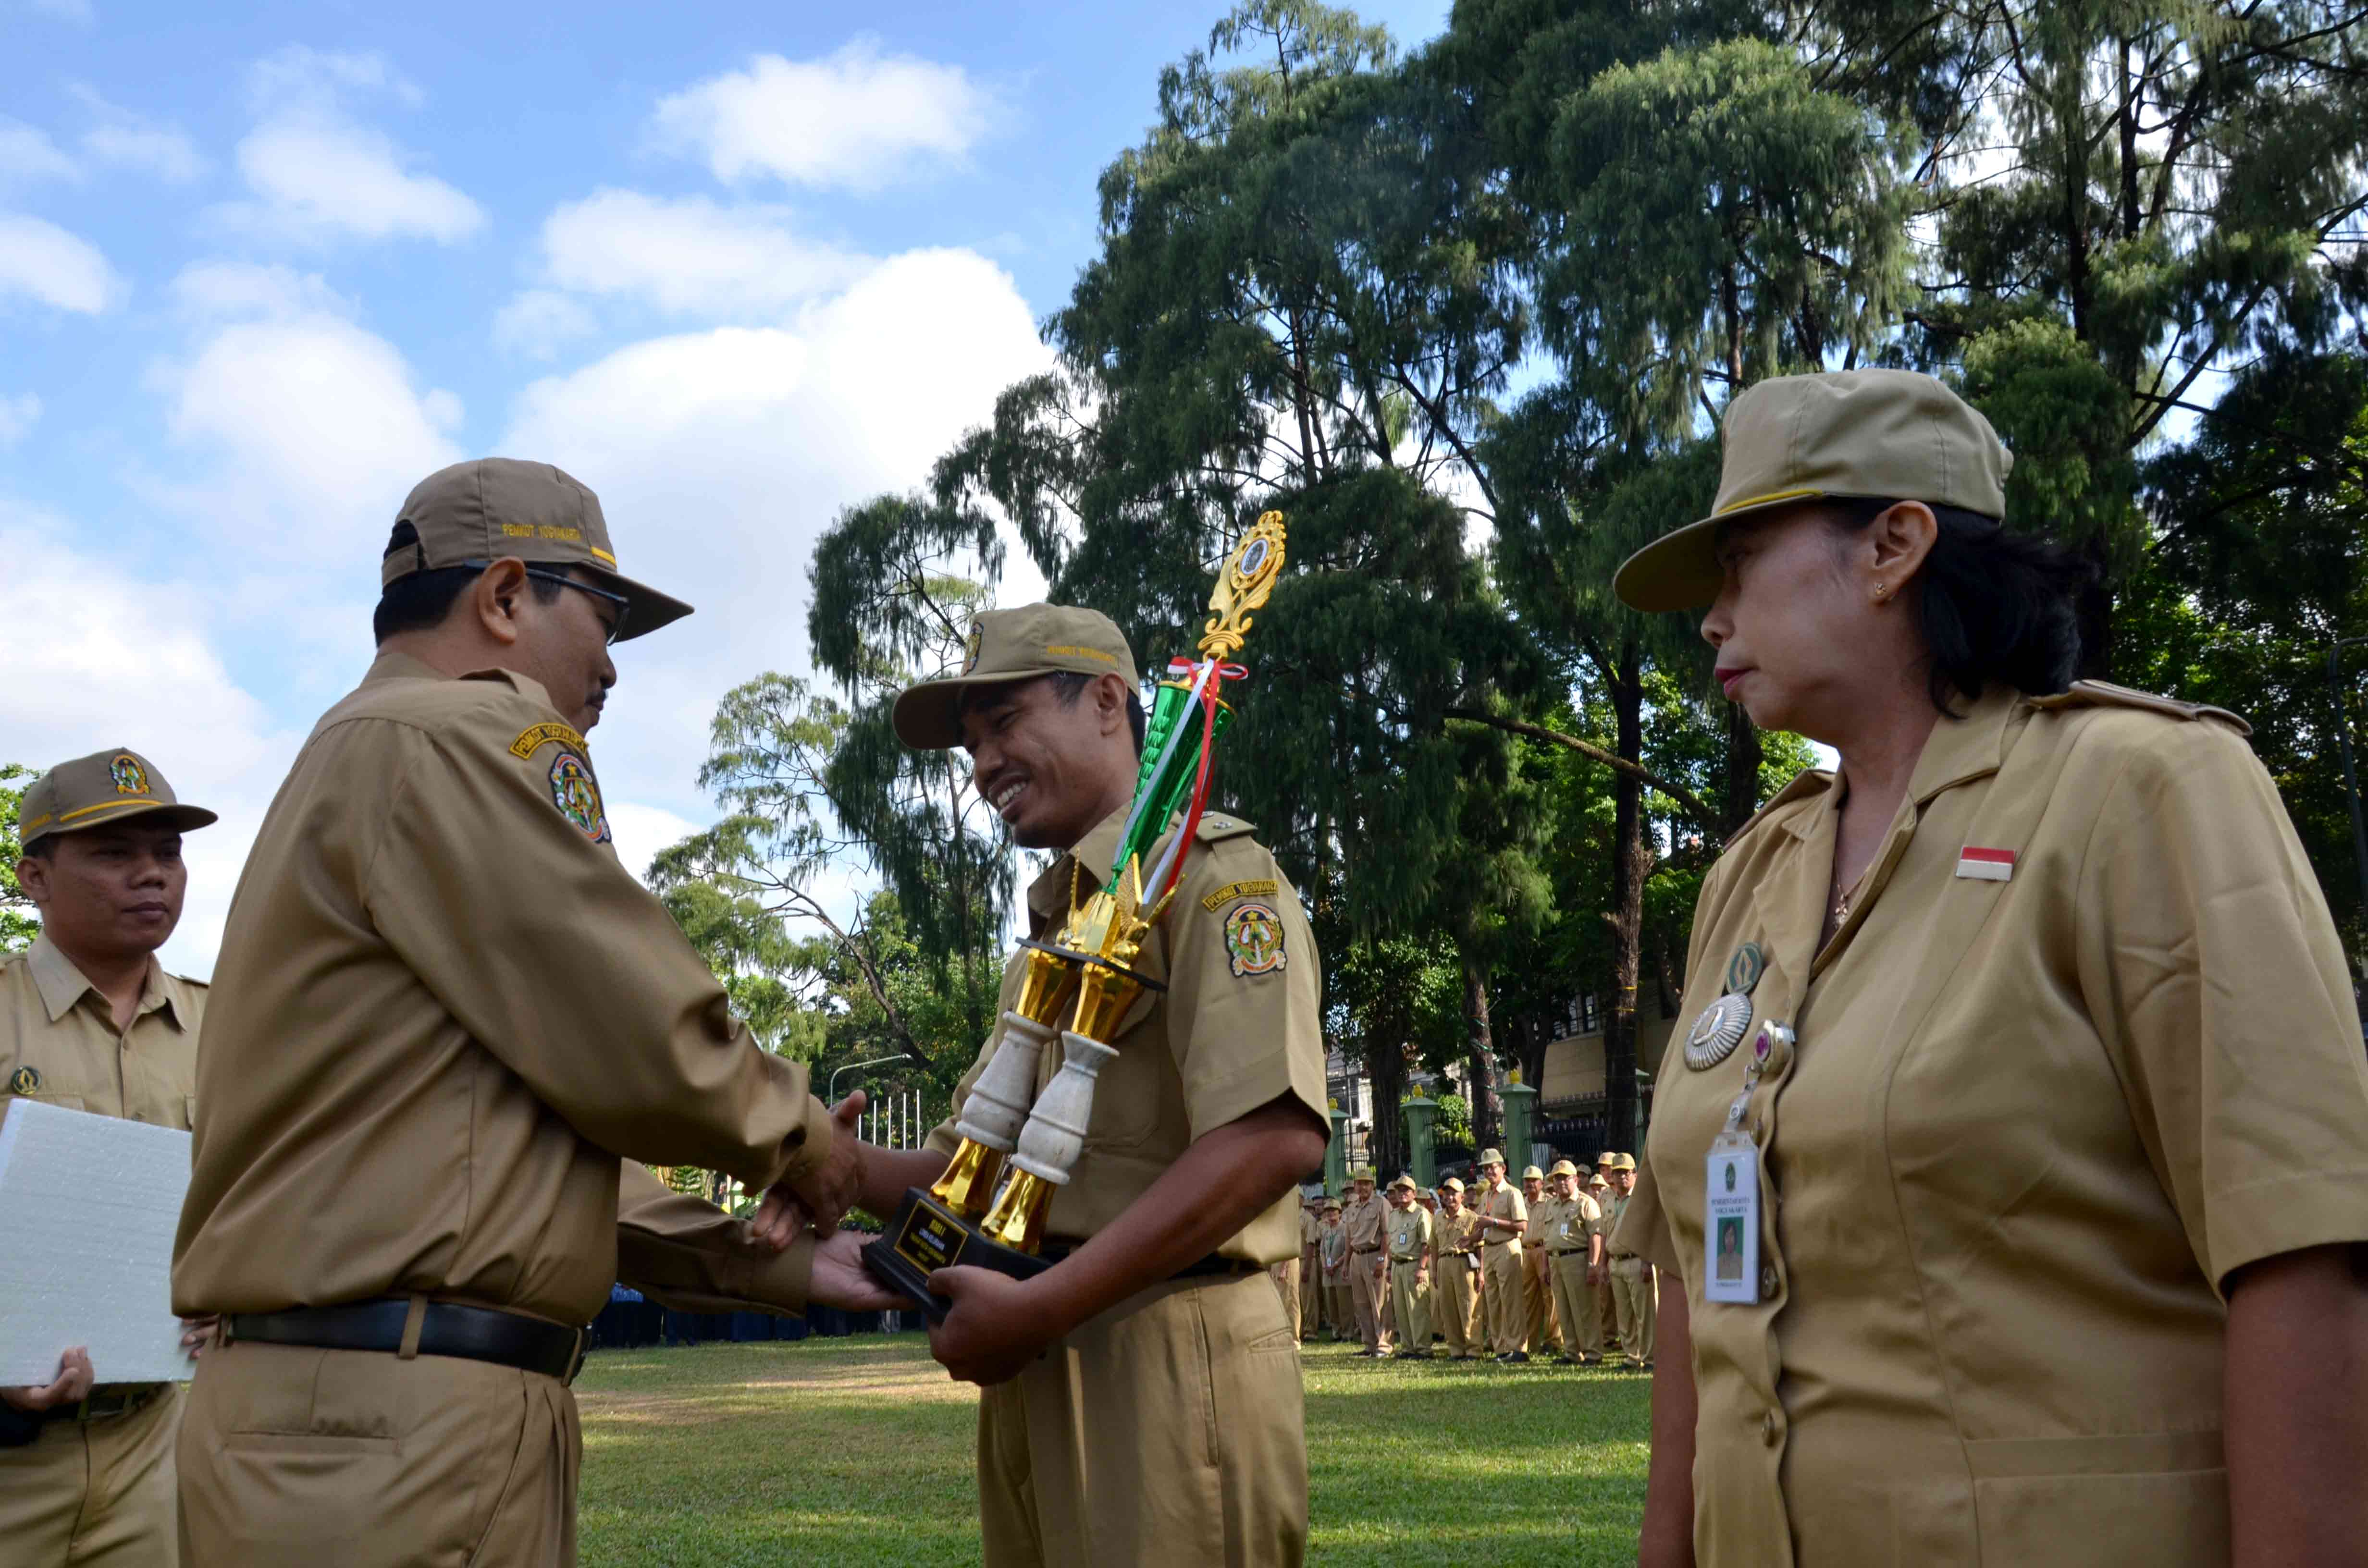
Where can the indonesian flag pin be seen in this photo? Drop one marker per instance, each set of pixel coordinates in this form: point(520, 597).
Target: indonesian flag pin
point(1986, 865)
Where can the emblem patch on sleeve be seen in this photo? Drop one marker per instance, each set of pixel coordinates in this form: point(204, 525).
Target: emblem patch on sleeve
point(1253, 939)
point(130, 778)
point(534, 740)
point(577, 797)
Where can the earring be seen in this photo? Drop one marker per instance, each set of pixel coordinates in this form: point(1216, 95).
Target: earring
point(1878, 590)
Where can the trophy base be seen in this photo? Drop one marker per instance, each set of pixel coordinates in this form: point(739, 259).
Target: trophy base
point(926, 1236)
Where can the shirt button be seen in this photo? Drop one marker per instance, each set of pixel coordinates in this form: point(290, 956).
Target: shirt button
point(1767, 1428)
point(1767, 1279)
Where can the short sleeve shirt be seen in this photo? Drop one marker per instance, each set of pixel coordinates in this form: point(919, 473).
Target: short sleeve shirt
point(1504, 1201)
point(1409, 1232)
point(1458, 1233)
point(59, 1042)
point(2085, 1045)
point(1238, 1027)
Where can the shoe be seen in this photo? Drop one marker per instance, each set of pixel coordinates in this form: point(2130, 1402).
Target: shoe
point(1519, 1358)
point(1566, 1361)
point(1591, 1360)
point(1467, 1357)
point(1644, 1366)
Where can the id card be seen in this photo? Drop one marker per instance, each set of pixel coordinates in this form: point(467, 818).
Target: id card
point(1731, 1223)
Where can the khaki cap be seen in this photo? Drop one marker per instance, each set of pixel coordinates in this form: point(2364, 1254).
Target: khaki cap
point(1890, 434)
point(96, 790)
point(1331, 1205)
point(491, 508)
point(1532, 1173)
point(1453, 1184)
point(1597, 1180)
point(1363, 1173)
point(1404, 1180)
point(1009, 645)
point(1563, 1167)
point(1619, 1161)
point(1490, 1157)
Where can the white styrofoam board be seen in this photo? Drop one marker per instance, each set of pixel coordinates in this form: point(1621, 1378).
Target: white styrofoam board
point(88, 1206)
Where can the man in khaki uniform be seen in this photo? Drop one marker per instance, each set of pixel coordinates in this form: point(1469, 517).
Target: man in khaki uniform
point(1338, 1304)
point(1411, 1231)
point(1456, 1270)
point(1311, 1266)
point(1571, 1245)
point(1599, 1271)
point(442, 1013)
point(1503, 1218)
point(1142, 1400)
point(1541, 1332)
point(1366, 1219)
point(89, 1020)
point(1635, 1292)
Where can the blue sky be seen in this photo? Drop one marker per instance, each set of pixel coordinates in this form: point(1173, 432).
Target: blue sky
point(262, 268)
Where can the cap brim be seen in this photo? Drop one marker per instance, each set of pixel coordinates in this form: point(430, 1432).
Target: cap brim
point(646, 609)
point(1679, 570)
point(928, 717)
point(179, 818)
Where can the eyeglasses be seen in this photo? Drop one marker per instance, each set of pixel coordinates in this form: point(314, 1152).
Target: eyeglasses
point(624, 606)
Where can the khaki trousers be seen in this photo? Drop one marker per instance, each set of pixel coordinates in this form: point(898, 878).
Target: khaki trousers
point(1506, 1309)
point(93, 1493)
point(1540, 1332)
point(1365, 1282)
point(296, 1458)
point(1607, 1312)
point(1340, 1306)
point(1451, 1300)
point(1286, 1285)
point(1638, 1300)
point(1170, 1432)
point(1310, 1292)
point(1411, 1302)
point(1574, 1308)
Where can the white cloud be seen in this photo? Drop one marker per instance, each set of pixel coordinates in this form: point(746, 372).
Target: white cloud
point(316, 426)
point(539, 323)
point(121, 139)
point(98, 657)
point(27, 153)
point(856, 120)
point(17, 416)
point(719, 456)
point(61, 270)
point(318, 173)
point(688, 256)
point(642, 830)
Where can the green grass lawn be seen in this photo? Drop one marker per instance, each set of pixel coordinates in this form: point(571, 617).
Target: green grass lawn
point(858, 1452)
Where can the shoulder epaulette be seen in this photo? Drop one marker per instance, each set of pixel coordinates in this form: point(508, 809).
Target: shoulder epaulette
point(2105, 694)
point(1215, 825)
point(1807, 782)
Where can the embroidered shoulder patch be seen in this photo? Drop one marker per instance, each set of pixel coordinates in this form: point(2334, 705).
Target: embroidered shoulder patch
point(1265, 887)
point(534, 740)
point(1253, 939)
point(130, 778)
point(577, 797)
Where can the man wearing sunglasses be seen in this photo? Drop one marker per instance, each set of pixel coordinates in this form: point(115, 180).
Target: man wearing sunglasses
point(445, 1017)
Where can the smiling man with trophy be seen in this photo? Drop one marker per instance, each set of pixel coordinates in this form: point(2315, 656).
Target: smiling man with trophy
point(1090, 1234)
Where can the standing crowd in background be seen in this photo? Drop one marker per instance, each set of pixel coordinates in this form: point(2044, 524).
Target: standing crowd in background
point(1511, 1274)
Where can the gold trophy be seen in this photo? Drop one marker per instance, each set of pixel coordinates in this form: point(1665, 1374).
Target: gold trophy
point(1086, 974)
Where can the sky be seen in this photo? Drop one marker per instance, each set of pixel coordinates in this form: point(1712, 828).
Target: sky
point(263, 267)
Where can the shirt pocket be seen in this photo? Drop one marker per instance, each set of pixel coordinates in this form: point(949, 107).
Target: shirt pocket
point(51, 1096)
point(1135, 1090)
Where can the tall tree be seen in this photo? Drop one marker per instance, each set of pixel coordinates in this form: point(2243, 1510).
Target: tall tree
point(18, 924)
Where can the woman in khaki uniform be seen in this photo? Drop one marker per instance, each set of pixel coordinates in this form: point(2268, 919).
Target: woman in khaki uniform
point(2029, 1042)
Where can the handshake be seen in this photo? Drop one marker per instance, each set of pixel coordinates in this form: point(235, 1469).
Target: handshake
point(817, 1200)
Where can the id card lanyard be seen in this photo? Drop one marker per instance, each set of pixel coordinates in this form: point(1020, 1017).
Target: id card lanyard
point(1730, 1187)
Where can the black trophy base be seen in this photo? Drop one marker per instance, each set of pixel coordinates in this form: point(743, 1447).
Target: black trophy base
point(926, 1236)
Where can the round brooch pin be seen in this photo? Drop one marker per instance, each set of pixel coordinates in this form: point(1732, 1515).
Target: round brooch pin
point(1718, 1032)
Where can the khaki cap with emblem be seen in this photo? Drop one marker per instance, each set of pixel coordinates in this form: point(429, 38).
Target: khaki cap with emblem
point(1532, 1173)
point(1453, 1184)
point(1490, 1157)
point(1404, 1181)
point(1598, 1179)
point(1619, 1161)
point(1009, 645)
point(104, 787)
point(1331, 1206)
point(475, 513)
point(1892, 435)
point(1361, 1173)
point(1563, 1167)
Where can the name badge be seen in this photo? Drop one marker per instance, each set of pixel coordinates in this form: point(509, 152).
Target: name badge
point(1731, 1223)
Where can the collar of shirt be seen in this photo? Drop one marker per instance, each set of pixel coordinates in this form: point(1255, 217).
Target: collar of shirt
point(392, 665)
point(1085, 868)
point(62, 985)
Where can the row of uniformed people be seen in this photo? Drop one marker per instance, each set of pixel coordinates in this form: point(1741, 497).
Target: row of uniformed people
point(1399, 1268)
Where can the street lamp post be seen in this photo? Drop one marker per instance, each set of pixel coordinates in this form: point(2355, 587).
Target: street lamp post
point(856, 1066)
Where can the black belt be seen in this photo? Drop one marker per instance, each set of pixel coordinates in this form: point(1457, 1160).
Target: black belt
point(446, 1328)
point(1055, 1251)
point(106, 1403)
point(1362, 1252)
point(1563, 1252)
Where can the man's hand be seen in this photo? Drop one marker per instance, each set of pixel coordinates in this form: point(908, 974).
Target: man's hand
point(841, 1280)
point(198, 1335)
point(1595, 1274)
point(74, 1385)
point(991, 1335)
point(823, 1195)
